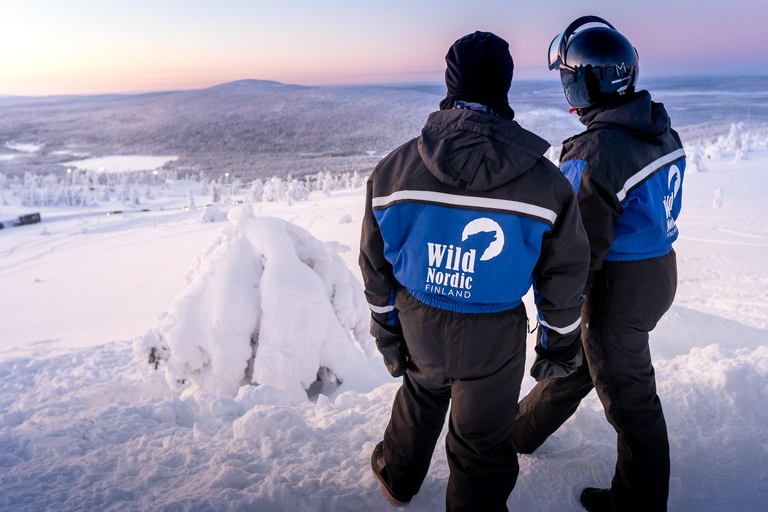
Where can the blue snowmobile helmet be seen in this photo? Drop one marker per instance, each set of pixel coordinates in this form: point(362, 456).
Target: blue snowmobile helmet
point(597, 64)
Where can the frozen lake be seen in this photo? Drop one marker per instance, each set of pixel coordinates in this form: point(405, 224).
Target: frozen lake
point(121, 163)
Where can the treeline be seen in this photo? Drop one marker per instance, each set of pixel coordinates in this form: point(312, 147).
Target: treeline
point(90, 188)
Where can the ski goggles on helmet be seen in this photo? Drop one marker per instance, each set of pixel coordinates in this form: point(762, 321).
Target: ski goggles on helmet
point(556, 56)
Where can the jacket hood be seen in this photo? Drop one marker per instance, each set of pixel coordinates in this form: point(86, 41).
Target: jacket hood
point(637, 115)
point(476, 151)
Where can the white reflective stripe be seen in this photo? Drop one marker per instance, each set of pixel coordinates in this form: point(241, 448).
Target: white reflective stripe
point(562, 330)
point(381, 309)
point(648, 170)
point(478, 202)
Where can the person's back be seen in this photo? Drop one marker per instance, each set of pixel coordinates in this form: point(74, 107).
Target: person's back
point(633, 154)
point(459, 223)
point(463, 209)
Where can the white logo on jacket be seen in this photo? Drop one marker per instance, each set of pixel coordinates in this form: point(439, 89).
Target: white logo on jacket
point(450, 266)
point(674, 182)
point(484, 224)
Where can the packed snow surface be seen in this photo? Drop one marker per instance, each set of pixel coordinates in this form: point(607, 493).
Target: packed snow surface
point(86, 423)
point(121, 163)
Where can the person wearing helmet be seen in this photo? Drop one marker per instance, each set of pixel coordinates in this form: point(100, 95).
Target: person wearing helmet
point(627, 170)
point(459, 223)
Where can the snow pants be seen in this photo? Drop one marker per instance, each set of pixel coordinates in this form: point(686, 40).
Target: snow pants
point(624, 303)
point(475, 363)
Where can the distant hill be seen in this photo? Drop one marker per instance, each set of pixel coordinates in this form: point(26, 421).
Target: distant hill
point(249, 127)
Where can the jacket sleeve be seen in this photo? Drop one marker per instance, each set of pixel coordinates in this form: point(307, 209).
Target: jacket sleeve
point(558, 282)
point(600, 209)
point(378, 277)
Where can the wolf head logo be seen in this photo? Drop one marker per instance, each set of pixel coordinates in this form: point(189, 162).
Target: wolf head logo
point(674, 176)
point(492, 227)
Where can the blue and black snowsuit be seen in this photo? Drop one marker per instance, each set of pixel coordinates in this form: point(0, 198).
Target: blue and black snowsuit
point(627, 169)
point(459, 224)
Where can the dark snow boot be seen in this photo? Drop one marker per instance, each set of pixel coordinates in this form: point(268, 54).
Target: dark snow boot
point(378, 468)
point(597, 500)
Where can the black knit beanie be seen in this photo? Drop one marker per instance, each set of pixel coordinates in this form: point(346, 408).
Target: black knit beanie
point(479, 70)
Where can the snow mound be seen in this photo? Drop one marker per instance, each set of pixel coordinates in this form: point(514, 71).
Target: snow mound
point(682, 329)
point(211, 214)
point(241, 213)
point(266, 303)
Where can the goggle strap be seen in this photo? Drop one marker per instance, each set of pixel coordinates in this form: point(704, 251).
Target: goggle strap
point(569, 31)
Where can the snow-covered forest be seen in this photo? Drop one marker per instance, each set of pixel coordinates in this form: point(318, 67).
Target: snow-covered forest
point(90, 188)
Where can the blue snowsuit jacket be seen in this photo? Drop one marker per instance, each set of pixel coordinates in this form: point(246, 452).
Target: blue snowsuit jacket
point(627, 169)
point(467, 217)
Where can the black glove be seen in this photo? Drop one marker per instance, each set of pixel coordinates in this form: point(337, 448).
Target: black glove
point(391, 345)
point(553, 365)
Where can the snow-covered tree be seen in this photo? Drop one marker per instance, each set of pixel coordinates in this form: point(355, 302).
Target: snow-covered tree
point(190, 201)
point(235, 187)
point(269, 193)
point(256, 191)
point(733, 141)
point(718, 200)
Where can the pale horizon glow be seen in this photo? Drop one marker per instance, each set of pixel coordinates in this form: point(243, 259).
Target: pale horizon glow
point(89, 47)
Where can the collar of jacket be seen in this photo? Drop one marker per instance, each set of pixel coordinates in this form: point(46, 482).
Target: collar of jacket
point(476, 151)
point(637, 115)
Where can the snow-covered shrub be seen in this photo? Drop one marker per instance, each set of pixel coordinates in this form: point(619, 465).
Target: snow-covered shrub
point(733, 141)
point(211, 214)
point(717, 202)
point(256, 191)
point(270, 193)
point(694, 161)
point(713, 151)
point(328, 184)
point(297, 191)
point(191, 201)
point(266, 303)
point(280, 189)
point(240, 214)
point(215, 192)
point(234, 188)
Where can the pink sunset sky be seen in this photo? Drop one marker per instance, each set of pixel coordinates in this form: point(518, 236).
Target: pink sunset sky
point(91, 46)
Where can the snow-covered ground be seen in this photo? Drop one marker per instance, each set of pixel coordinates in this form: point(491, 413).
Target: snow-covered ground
point(84, 425)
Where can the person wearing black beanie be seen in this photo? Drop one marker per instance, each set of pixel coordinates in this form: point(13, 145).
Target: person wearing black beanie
point(479, 70)
point(458, 223)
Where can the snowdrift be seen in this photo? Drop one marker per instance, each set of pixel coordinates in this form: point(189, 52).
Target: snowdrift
point(266, 303)
point(85, 431)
